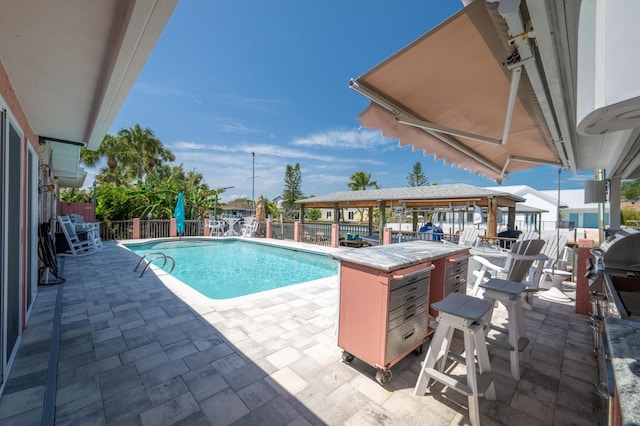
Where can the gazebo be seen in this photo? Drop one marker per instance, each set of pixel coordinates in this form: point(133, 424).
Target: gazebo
point(452, 197)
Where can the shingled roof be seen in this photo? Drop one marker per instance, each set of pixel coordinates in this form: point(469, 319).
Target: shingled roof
point(415, 196)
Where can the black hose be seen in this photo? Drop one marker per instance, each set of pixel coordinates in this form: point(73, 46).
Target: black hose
point(47, 252)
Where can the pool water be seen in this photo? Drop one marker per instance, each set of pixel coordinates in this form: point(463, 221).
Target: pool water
point(232, 268)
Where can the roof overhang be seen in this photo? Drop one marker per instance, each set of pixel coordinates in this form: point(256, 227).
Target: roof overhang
point(73, 63)
point(557, 24)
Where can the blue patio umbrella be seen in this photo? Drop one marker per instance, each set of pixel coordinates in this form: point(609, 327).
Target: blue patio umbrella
point(178, 213)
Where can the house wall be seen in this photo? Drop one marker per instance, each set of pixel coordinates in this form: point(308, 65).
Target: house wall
point(18, 250)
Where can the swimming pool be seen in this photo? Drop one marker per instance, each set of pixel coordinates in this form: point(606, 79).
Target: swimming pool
point(231, 268)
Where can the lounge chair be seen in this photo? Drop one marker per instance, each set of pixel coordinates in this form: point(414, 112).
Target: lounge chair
point(77, 247)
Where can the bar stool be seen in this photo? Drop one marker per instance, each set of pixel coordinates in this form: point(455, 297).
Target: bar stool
point(464, 313)
point(510, 294)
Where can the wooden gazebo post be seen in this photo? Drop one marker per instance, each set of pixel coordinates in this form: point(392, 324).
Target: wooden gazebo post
point(492, 204)
point(383, 221)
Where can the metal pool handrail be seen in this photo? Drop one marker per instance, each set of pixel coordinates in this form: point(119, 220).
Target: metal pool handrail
point(158, 256)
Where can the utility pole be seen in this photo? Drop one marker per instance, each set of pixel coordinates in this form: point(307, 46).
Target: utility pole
point(215, 206)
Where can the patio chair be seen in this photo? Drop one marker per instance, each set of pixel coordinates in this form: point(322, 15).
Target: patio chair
point(77, 247)
point(92, 228)
point(524, 264)
point(528, 235)
point(250, 230)
point(216, 227)
point(555, 269)
point(468, 237)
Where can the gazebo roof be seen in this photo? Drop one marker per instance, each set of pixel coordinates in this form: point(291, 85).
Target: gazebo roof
point(414, 197)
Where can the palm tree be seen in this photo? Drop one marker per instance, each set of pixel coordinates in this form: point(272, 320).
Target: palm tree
point(361, 181)
point(149, 151)
point(116, 151)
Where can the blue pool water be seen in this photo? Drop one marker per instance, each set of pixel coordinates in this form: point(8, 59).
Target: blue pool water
point(232, 268)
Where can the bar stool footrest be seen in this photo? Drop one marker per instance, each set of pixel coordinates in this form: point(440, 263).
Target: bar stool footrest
point(522, 343)
point(484, 382)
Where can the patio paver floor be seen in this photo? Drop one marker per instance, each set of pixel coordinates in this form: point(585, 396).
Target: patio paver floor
point(132, 351)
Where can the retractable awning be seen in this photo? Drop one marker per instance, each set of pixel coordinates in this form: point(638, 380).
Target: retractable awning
point(468, 95)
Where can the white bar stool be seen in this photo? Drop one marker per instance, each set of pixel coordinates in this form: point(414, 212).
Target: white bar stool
point(510, 294)
point(464, 313)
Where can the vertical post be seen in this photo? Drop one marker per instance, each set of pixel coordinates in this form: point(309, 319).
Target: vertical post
point(558, 217)
point(253, 181)
point(386, 235)
point(335, 235)
point(136, 228)
point(296, 231)
point(173, 232)
point(492, 210)
point(269, 232)
point(383, 222)
point(95, 200)
point(600, 175)
point(215, 206)
point(511, 218)
point(615, 189)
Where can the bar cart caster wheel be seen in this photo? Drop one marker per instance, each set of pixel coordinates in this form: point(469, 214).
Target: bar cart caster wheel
point(347, 357)
point(418, 350)
point(383, 376)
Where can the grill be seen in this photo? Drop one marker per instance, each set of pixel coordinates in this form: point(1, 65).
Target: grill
point(614, 279)
point(618, 262)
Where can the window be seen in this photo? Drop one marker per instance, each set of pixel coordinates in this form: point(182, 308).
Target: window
point(350, 215)
point(329, 214)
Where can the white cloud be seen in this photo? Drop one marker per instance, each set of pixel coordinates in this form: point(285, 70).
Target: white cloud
point(189, 145)
point(346, 139)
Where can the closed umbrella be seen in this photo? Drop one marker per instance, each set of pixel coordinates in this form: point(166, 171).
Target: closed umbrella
point(261, 213)
point(178, 213)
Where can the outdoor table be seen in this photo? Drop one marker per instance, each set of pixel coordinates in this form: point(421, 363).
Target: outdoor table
point(231, 221)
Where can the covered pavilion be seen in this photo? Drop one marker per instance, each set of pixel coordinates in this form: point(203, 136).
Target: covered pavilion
point(454, 197)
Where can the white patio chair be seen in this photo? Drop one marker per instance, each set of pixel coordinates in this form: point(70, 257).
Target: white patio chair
point(468, 237)
point(524, 264)
point(77, 247)
point(92, 228)
point(250, 230)
point(555, 269)
point(216, 227)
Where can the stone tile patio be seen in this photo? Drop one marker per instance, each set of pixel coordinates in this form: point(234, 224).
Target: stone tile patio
point(151, 351)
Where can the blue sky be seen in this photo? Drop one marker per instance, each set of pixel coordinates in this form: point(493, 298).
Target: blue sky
point(228, 78)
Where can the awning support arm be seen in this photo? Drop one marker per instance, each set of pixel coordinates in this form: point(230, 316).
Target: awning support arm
point(401, 118)
point(528, 160)
point(394, 109)
point(516, 73)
